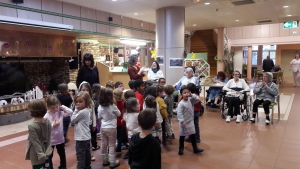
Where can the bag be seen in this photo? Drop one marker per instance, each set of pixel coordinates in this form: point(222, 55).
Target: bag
point(206, 81)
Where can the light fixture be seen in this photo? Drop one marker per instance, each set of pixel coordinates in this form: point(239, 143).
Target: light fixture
point(289, 15)
point(114, 0)
point(133, 42)
point(196, 1)
point(237, 20)
point(285, 6)
point(207, 3)
point(136, 13)
point(194, 24)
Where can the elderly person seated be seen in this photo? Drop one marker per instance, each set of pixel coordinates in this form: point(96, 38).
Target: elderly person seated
point(214, 92)
point(188, 78)
point(265, 94)
point(235, 88)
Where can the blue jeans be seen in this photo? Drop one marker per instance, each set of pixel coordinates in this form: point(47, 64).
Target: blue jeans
point(66, 123)
point(213, 93)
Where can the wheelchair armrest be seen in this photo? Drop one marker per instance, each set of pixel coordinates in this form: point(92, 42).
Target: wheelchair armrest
point(223, 92)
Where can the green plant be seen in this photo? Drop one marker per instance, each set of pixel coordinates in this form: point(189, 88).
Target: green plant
point(125, 65)
point(244, 66)
point(228, 58)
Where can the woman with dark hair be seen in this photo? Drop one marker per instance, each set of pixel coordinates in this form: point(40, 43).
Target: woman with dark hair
point(88, 72)
point(155, 73)
point(134, 71)
point(214, 92)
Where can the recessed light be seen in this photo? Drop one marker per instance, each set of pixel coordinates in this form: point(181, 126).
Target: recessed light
point(136, 13)
point(113, 0)
point(207, 3)
point(194, 24)
point(289, 15)
point(237, 20)
point(285, 6)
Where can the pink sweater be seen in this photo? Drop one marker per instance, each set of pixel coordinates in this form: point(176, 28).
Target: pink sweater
point(57, 134)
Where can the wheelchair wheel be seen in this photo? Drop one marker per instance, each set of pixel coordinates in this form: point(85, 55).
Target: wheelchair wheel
point(245, 117)
point(249, 105)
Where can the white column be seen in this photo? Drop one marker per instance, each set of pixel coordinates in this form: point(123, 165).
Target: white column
point(259, 57)
point(249, 63)
point(220, 47)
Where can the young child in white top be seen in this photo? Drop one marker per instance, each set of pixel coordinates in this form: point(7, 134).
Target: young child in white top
point(130, 117)
point(108, 113)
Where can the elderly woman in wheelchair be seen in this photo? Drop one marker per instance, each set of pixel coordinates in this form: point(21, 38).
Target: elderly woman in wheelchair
point(265, 92)
point(214, 92)
point(235, 89)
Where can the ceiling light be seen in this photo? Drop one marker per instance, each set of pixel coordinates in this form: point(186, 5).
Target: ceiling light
point(237, 20)
point(196, 1)
point(113, 0)
point(285, 6)
point(207, 3)
point(289, 15)
point(136, 13)
point(194, 24)
point(133, 42)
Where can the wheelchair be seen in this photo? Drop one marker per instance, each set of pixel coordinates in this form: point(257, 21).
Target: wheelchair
point(212, 101)
point(245, 106)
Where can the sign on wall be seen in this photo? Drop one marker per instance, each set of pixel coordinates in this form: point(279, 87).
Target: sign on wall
point(290, 24)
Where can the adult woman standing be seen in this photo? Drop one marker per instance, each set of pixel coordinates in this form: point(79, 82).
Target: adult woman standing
point(155, 73)
point(295, 67)
point(214, 92)
point(134, 71)
point(88, 72)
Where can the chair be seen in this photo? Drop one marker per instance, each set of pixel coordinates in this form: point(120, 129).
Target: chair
point(280, 77)
point(272, 107)
point(275, 78)
point(258, 74)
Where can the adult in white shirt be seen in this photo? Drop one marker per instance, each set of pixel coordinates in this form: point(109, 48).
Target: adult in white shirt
point(235, 87)
point(295, 67)
point(155, 73)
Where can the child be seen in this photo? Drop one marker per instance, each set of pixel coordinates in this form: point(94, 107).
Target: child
point(131, 85)
point(185, 115)
point(81, 119)
point(151, 103)
point(96, 94)
point(163, 111)
point(169, 90)
point(39, 136)
point(110, 84)
point(120, 85)
point(119, 101)
point(139, 91)
point(130, 117)
point(108, 113)
point(65, 99)
point(144, 142)
point(84, 86)
point(128, 94)
point(55, 115)
point(161, 81)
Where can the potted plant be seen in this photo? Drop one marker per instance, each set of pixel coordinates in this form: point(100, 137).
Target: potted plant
point(125, 66)
point(228, 59)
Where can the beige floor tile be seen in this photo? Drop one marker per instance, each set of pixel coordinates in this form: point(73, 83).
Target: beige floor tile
point(286, 165)
point(264, 161)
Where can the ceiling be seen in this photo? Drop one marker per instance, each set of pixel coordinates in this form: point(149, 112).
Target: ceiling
point(216, 14)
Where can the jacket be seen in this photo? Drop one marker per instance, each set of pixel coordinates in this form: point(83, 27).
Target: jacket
point(144, 153)
point(133, 73)
point(81, 119)
point(89, 75)
point(268, 65)
point(162, 107)
point(39, 142)
point(266, 93)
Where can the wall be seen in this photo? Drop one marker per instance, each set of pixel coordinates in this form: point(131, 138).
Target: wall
point(262, 34)
point(84, 20)
point(288, 56)
point(238, 58)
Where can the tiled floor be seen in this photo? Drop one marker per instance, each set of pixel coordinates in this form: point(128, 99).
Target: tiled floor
point(227, 146)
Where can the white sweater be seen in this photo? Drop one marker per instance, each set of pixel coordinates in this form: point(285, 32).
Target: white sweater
point(132, 123)
point(231, 85)
point(159, 118)
point(108, 116)
point(154, 76)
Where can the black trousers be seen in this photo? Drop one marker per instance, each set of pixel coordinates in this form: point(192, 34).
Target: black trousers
point(233, 103)
point(62, 155)
point(93, 137)
point(163, 127)
point(119, 138)
point(266, 104)
point(83, 154)
point(181, 140)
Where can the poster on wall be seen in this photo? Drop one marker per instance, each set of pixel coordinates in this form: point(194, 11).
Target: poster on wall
point(176, 63)
point(160, 60)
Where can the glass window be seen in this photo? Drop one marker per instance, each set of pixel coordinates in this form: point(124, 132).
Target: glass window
point(254, 58)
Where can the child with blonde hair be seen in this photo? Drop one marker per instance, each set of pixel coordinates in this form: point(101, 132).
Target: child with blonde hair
point(119, 101)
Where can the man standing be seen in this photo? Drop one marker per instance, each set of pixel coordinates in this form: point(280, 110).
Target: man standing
point(268, 64)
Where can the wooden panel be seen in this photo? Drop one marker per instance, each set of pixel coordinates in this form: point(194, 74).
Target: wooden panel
point(51, 18)
point(88, 13)
point(151, 27)
point(256, 31)
point(247, 32)
point(52, 6)
point(283, 32)
point(136, 34)
point(8, 11)
point(274, 30)
point(136, 23)
point(126, 21)
point(230, 33)
point(116, 19)
point(70, 9)
point(145, 26)
point(202, 41)
point(126, 32)
point(88, 26)
point(29, 15)
point(102, 16)
point(145, 35)
point(238, 32)
point(265, 31)
point(74, 22)
point(115, 30)
point(102, 28)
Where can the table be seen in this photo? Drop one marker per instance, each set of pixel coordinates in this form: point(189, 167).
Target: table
point(210, 85)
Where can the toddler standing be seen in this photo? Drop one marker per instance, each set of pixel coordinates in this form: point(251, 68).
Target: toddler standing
point(169, 100)
point(163, 111)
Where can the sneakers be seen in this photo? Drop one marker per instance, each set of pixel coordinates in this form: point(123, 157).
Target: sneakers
point(95, 148)
point(267, 122)
point(93, 158)
point(252, 120)
point(238, 119)
point(228, 119)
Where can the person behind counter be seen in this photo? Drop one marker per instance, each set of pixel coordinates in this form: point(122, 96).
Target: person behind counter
point(88, 72)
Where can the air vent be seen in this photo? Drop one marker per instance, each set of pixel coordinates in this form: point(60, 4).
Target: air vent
point(233, 3)
point(264, 21)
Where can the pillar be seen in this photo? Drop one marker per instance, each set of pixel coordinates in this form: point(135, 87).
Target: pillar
point(220, 47)
point(249, 62)
point(170, 23)
point(259, 57)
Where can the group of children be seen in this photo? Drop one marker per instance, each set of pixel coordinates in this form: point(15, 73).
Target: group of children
point(141, 117)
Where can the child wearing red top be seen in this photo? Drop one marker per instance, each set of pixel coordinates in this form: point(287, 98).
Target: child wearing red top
point(119, 102)
point(139, 87)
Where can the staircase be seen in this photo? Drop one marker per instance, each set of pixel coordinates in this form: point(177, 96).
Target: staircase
point(203, 41)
